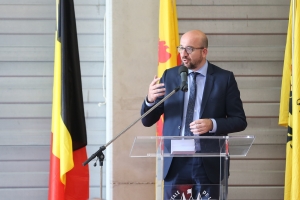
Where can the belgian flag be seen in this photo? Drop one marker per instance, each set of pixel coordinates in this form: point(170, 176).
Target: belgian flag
point(68, 179)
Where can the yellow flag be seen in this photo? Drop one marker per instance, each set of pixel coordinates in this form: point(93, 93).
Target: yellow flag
point(168, 41)
point(167, 48)
point(295, 142)
point(286, 76)
point(290, 106)
point(168, 36)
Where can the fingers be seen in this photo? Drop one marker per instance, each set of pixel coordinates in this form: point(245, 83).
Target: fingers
point(156, 89)
point(201, 126)
point(155, 80)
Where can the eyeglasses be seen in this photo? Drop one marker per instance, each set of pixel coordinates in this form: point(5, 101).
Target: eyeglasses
point(188, 49)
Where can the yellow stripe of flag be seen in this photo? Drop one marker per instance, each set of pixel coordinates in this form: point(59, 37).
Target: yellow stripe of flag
point(62, 141)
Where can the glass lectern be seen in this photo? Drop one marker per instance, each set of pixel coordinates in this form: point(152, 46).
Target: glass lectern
point(220, 148)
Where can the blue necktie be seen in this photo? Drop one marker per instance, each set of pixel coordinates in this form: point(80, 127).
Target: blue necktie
point(191, 105)
point(191, 109)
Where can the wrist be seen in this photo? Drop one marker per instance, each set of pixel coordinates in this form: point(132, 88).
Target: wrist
point(148, 100)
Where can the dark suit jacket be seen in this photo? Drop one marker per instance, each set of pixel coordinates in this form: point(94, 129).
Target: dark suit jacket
point(221, 101)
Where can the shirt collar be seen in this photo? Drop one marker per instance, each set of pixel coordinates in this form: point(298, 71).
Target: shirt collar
point(202, 70)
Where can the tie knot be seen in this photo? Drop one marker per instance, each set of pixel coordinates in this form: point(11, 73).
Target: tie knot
point(194, 75)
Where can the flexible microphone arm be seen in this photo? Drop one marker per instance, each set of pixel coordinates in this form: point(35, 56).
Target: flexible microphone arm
point(100, 154)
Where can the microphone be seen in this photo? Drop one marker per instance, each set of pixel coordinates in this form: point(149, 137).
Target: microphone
point(183, 72)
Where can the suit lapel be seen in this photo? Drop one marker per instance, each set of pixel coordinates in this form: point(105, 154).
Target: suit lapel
point(207, 88)
point(181, 99)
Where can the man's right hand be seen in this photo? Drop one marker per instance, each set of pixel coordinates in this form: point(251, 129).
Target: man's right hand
point(155, 90)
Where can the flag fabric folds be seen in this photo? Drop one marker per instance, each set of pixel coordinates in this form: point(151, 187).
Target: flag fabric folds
point(68, 179)
point(167, 47)
point(289, 114)
point(286, 77)
point(168, 41)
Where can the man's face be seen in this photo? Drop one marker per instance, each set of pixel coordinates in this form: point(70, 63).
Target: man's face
point(197, 58)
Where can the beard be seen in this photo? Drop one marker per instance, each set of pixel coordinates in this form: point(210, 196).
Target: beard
point(192, 65)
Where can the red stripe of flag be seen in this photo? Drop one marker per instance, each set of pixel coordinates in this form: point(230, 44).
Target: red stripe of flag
point(68, 179)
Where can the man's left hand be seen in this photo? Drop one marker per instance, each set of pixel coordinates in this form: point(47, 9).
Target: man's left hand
point(201, 126)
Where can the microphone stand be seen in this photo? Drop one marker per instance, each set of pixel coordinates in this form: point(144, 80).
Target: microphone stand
point(99, 154)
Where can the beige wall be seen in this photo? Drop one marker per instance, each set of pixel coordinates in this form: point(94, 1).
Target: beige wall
point(134, 64)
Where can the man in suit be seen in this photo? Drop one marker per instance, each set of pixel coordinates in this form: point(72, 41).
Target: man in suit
point(217, 110)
